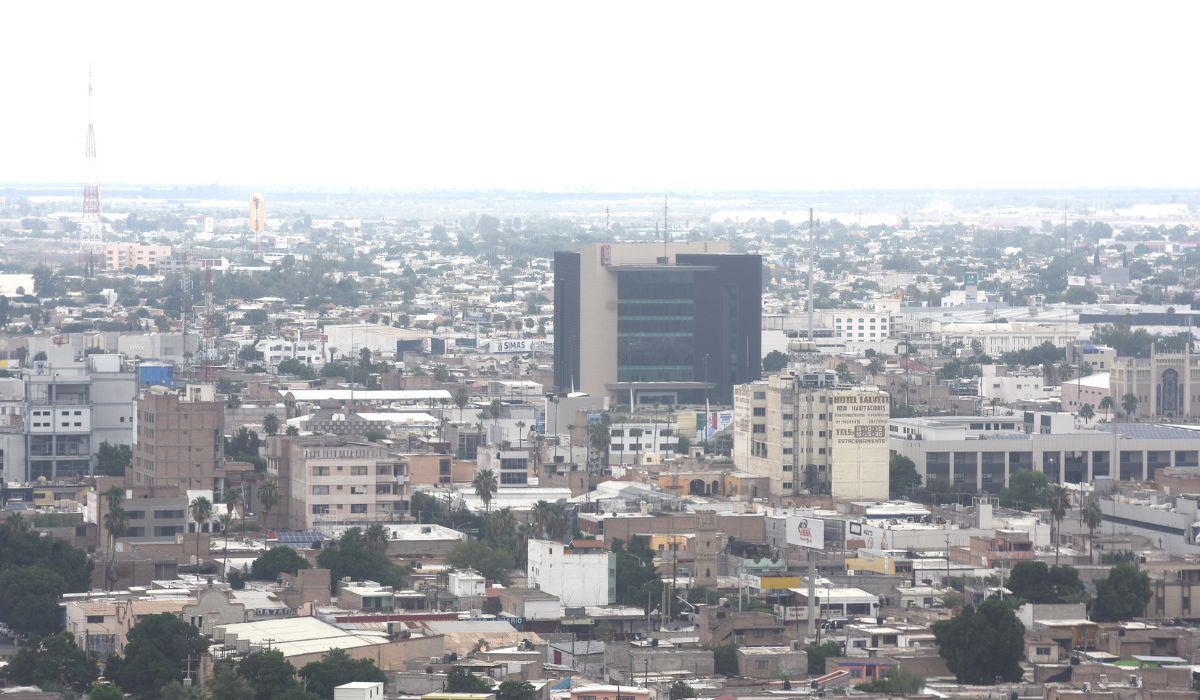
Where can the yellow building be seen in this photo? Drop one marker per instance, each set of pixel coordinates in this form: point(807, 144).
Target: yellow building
point(122, 256)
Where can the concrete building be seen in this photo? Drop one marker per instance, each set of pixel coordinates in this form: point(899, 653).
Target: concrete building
point(335, 481)
point(579, 577)
point(180, 442)
point(123, 256)
point(358, 690)
point(674, 323)
point(807, 433)
point(1166, 384)
point(631, 440)
point(276, 350)
point(1090, 390)
point(999, 338)
point(981, 453)
point(70, 410)
point(1015, 386)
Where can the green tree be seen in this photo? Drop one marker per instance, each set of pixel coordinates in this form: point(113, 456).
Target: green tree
point(982, 645)
point(1036, 582)
point(21, 547)
point(680, 691)
point(902, 476)
point(1028, 489)
point(774, 361)
point(461, 399)
point(227, 684)
point(638, 582)
point(268, 497)
point(29, 598)
point(350, 556)
point(53, 662)
point(105, 691)
point(516, 690)
point(485, 485)
point(201, 509)
point(156, 653)
point(337, 668)
point(1087, 413)
point(1123, 595)
point(1058, 500)
point(178, 691)
point(235, 502)
point(725, 660)
point(494, 564)
point(817, 653)
point(270, 424)
point(549, 521)
point(460, 680)
point(268, 565)
point(897, 681)
point(1129, 404)
point(1106, 405)
point(113, 460)
point(1093, 518)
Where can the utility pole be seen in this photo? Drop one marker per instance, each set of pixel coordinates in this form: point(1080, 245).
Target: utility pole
point(812, 253)
point(812, 590)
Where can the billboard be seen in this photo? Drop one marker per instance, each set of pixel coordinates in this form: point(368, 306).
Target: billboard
point(511, 345)
point(708, 425)
point(806, 532)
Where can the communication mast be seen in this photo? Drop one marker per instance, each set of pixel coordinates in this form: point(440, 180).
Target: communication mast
point(91, 231)
point(210, 331)
point(258, 220)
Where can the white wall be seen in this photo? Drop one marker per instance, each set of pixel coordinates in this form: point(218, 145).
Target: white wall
point(577, 579)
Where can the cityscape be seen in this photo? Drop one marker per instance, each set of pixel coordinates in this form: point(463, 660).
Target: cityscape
point(606, 420)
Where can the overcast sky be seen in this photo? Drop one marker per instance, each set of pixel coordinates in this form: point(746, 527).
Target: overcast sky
point(605, 95)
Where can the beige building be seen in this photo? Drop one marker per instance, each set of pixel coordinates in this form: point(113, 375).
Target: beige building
point(334, 481)
point(179, 443)
point(102, 626)
point(1166, 384)
point(807, 433)
point(122, 256)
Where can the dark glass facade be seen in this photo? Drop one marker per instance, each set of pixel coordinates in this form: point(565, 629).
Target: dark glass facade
point(699, 320)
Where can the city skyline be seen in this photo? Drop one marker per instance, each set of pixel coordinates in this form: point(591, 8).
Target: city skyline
point(668, 97)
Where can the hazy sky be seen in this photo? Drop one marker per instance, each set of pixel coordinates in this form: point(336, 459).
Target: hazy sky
point(605, 95)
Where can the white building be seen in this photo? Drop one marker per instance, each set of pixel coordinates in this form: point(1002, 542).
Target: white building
point(276, 350)
point(578, 576)
point(358, 690)
point(999, 338)
point(630, 441)
point(809, 434)
point(1013, 386)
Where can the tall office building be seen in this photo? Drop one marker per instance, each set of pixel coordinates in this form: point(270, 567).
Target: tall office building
point(808, 433)
point(666, 323)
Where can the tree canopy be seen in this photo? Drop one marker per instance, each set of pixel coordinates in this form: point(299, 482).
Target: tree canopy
point(53, 662)
point(275, 561)
point(337, 668)
point(1123, 594)
point(1036, 582)
point(494, 563)
point(155, 654)
point(902, 476)
point(461, 680)
point(637, 579)
point(29, 598)
point(982, 645)
point(362, 559)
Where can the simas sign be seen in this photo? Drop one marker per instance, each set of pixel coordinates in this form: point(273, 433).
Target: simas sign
point(511, 345)
point(806, 532)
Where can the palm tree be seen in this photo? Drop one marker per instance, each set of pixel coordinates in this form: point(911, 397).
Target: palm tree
point(376, 539)
point(235, 502)
point(1129, 403)
point(995, 401)
point(495, 408)
point(1093, 517)
point(1087, 413)
point(116, 520)
point(1059, 502)
point(268, 497)
point(201, 509)
point(461, 399)
point(1106, 405)
point(485, 486)
point(1065, 372)
point(520, 433)
point(270, 424)
point(874, 367)
point(226, 519)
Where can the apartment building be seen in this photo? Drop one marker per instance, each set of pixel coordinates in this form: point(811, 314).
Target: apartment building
point(807, 433)
point(577, 576)
point(630, 440)
point(180, 443)
point(123, 256)
point(71, 409)
point(276, 350)
point(335, 481)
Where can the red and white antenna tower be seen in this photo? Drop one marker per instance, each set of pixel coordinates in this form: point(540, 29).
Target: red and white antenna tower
point(91, 231)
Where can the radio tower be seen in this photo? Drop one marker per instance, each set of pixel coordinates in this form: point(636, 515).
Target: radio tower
point(210, 331)
point(91, 231)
